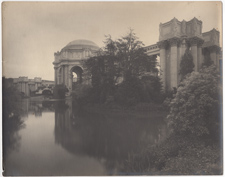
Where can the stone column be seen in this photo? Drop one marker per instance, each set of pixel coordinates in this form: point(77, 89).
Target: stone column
point(213, 51)
point(70, 75)
point(63, 75)
point(66, 75)
point(218, 60)
point(200, 56)
point(162, 45)
point(23, 87)
point(27, 92)
point(56, 77)
point(194, 52)
point(173, 63)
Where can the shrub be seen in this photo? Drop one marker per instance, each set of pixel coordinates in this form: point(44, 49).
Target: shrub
point(59, 91)
point(195, 108)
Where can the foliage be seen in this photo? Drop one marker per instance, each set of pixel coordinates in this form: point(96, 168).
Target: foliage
point(132, 57)
point(195, 108)
point(117, 69)
point(11, 119)
point(186, 64)
point(10, 98)
point(59, 91)
point(177, 155)
point(205, 160)
point(129, 92)
point(152, 89)
point(82, 94)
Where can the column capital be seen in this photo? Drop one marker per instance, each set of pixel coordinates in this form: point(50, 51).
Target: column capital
point(200, 42)
point(196, 41)
point(162, 44)
point(214, 48)
point(174, 41)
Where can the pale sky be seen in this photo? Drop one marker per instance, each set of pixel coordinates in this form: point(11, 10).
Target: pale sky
point(33, 31)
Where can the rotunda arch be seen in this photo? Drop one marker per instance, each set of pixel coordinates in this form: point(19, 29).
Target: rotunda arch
point(76, 74)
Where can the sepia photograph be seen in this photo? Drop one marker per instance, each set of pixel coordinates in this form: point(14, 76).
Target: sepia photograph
point(112, 88)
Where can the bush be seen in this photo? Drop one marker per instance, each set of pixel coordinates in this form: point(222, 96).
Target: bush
point(196, 106)
point(59, 91)
point(82, 94)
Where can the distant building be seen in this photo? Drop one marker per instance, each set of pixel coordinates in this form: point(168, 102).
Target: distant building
point(28, 86)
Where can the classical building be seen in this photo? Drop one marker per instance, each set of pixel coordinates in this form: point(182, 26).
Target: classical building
point(175, 37)
point(67, 63)
point(26, 86)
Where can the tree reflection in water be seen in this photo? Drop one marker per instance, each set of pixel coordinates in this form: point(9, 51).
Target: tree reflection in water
point(15, 112)
point(11, 138)
point(12, 122)
point(107, 137)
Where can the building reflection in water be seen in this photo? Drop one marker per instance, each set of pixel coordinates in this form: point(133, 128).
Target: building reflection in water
point(35, 107)
point(107, 137)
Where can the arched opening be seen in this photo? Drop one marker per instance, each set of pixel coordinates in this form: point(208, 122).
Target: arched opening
point(76, 73)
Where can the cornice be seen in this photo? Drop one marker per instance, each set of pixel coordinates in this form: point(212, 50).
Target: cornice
point(162, 44)
point(174, 41)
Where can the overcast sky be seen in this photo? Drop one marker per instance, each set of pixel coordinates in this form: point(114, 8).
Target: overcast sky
point(33, 31)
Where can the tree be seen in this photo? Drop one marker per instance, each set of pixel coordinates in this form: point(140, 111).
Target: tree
point(186, 64)
point(152, 88)
point(132, 57)
point(123, 58)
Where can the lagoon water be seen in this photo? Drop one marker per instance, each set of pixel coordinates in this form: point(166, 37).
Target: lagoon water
point(57, 138)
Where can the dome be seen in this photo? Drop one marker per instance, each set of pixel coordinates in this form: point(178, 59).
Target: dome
point(81, 44)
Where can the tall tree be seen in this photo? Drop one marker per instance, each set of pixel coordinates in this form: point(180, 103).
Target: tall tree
point(186, 64)
point(124, 59)
point(132, 56)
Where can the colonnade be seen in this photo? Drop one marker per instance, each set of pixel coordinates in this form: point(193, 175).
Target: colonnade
point(171, 52)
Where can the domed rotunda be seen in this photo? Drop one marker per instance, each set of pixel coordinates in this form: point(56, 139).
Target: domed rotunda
point(67, 63)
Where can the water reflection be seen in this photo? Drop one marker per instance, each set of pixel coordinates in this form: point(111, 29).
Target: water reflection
point(66, 140)
point(106, 138)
